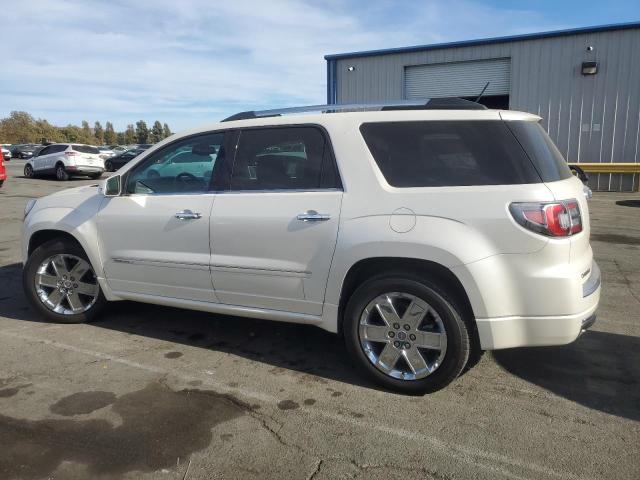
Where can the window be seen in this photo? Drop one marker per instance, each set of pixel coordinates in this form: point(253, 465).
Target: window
point(56, 149)
point(289, 158)
point(448, 153)
point(185, 166)
point(43, 151)
point(545, 156)
point(85, 149)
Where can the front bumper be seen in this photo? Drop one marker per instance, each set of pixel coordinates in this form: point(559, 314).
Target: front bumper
point(519, 331)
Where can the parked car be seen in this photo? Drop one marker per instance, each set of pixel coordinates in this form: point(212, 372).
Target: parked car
point(423, 235)
point(3, 170)
point(114, 163)
point(6, 153)
point(22, 151)
point(106, 152)
point(64, 160)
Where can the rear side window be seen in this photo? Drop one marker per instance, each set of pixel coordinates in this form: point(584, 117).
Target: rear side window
point(545, 156)
point(289, 158)
point(85, 149)
point(448, 153)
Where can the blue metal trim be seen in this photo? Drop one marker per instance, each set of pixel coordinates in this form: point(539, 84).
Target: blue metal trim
point(486, 41)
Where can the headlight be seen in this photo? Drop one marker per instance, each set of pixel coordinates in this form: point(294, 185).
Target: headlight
point(29, 206)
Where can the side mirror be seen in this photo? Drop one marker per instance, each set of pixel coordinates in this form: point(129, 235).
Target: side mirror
point(112, 186)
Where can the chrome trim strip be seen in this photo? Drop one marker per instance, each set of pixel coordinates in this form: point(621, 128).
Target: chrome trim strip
point(593, 282)
point(261, 271)
point(161, 263)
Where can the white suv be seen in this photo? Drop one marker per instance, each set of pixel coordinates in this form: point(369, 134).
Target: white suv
point(64, 160)
point(423, 234)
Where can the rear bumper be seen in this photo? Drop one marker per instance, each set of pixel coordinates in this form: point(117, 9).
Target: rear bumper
point(520, 331)
point(84, 169)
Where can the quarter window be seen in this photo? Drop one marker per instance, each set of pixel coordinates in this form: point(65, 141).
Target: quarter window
point(289, 158)
point(186, 166)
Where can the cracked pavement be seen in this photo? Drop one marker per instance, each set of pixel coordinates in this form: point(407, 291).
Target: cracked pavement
point(154, 392)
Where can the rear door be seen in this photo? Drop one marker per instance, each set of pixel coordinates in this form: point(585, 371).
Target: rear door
point(273, 233)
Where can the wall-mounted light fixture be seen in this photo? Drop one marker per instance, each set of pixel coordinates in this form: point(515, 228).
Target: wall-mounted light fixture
point(351, 68)
point(589, 68)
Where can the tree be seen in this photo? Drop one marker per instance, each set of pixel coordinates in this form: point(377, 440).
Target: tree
point(110, 137)
point(142, 132)
point(45, 132)
point(157, 133)
point(120, 138)
point(166, 131)
point(129, 135)
point(98, 133)
point(86, 133)
point(17, 128)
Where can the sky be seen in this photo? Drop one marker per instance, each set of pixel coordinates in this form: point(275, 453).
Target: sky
point(189, 62)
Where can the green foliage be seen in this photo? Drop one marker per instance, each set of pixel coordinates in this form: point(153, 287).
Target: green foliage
point(98, 133)
point(142, 132)
point(21, 127)
point(110, 136)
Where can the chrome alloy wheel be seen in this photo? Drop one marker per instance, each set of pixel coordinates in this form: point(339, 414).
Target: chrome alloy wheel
point(66, 284)
point(402, 336)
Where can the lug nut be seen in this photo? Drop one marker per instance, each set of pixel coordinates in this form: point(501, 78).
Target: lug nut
point(407, 345)
point(407, 327)
point(75, 285)
point(396, 326)
point(392, 334)
point(397, 344)
point(412, 337)
point(64, 277)
point(73, 279)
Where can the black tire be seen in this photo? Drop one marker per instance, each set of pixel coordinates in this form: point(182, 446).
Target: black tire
point(28, 171)
point(458, 339)
point(30, 269)
point(61, 173)
point(95, 176)
point(108, 166)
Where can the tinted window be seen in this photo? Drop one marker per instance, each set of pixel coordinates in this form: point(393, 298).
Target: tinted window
point(448, 153)
point(85, 149)
point(289, 158)
point(57, 148)
point(545, 156)
point(167, 171)
point(43, 151)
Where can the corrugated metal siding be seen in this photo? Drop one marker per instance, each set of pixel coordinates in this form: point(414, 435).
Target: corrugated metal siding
point(462, 79)
point(591, 118)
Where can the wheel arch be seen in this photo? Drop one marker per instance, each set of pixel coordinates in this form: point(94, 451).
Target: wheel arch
point(369, 267)
point(41, 237)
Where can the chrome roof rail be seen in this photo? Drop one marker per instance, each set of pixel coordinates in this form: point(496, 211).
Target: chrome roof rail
point(451, 103)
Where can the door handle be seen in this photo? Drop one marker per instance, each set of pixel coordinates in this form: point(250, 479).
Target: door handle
point(313, 216)
point(187, 215)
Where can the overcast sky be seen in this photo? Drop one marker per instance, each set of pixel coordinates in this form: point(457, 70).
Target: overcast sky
point(188, 62)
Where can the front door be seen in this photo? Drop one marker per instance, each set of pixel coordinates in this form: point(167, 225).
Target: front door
point(273, 233)
point(154, 238)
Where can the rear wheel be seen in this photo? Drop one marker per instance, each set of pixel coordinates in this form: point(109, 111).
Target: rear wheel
point(406, 333)
point(28, 171)
point(61, 284)
point(61, 173)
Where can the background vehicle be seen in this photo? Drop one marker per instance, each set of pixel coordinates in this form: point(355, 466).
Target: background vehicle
point(23, 150)
point(106, 152)
point(64, 160)
point(463, 230)
point(6, 153)
point(114, 163)
point(3, 170)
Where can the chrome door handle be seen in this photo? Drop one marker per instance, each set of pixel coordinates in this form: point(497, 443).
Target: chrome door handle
point(313, 216)
point(187, 215)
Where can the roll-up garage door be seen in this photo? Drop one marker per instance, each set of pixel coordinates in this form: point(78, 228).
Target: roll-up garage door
point(458, 79)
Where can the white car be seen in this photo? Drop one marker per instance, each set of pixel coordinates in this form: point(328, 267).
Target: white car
point(64, 160)
point(106, 152)
point(6, 154)
point(423, 234)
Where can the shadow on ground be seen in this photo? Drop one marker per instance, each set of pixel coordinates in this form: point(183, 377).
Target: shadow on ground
point(600, 370)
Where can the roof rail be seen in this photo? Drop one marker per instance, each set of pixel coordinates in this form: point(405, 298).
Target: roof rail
point(449, 103)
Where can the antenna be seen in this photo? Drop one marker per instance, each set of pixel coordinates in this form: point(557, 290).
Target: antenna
point(482, 92)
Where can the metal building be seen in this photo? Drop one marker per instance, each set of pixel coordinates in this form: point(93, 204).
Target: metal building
point(584, 83)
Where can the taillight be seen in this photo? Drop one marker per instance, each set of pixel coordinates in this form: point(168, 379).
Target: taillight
point(71, 153)
point(554, 219)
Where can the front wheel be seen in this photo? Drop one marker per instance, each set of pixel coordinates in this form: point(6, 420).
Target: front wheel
point(61, 284)
point(28, 171)
point(406, 333)
point(108, 166)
